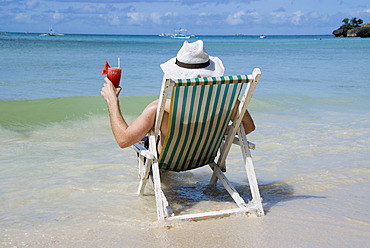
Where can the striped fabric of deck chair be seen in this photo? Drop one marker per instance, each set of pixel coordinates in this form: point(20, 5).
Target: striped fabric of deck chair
point(200, 113)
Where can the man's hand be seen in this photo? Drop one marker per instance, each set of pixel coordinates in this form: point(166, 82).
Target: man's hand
point(109, 92)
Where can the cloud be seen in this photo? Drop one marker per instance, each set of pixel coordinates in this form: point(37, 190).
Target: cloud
point(276, 17)
point(297, 18)
point(165, 18)
point(23, 17)
point(57, 16)
point(242, 16)
point(171, 14)
point(207, 2)
point(155, 17)
point(114, 20)
point(280, 16)
point(94, 8)
point(182, 2)
point(236, 18)
point(256, 17)
point(206, 19)
point(6, 2)
point(140, 18)
point(136, 18)
point(31, 3)
point(281, 9)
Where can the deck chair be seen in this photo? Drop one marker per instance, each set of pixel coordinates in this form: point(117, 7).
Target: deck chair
point(200, 114)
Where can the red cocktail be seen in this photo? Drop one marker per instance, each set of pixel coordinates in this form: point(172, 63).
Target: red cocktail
point(114, 75)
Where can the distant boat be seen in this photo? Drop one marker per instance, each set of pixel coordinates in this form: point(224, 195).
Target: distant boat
point(51, 32)
point(262, 36)
point(180, 34)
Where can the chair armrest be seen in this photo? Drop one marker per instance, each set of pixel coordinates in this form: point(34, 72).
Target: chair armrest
point(250, 144)
point(142, 150)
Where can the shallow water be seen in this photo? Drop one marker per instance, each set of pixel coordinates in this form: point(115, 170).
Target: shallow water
point(65, 183)
point(63, 186)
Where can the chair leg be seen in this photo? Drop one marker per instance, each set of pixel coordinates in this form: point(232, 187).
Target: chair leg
point(251, 175)
point(166, 207)
point(232, 191)
point(214, 178)
point(161, 201)
point(144, 169)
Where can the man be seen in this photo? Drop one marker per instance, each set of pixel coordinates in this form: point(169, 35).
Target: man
point(191, 61)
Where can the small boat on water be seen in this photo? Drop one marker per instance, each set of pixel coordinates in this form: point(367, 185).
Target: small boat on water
point(180, 34)
point(51, 32)
point(262, 36)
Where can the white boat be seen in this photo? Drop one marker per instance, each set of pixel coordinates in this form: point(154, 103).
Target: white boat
point(180, 34)
point(51, 32)
point(262, 36)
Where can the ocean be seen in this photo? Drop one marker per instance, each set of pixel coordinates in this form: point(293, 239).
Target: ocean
point(65, 183)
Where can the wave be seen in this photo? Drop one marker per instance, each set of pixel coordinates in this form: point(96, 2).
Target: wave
point(293, 104)
point(25, 114)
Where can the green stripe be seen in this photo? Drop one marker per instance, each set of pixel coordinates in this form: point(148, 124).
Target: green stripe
point(197, 146)
point(178, 98)
point(240, 79)
point(212, 125)
point(171, 132)
point(220, 131)
point(216, 141)
point(187, 131)
point(196, 138)
point(224, 122)
point(210, 133)
point(235, 93)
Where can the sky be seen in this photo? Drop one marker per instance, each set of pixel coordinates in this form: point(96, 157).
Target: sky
point(199, 17)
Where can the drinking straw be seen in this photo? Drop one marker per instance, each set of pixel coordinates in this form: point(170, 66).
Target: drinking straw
point(119, 63)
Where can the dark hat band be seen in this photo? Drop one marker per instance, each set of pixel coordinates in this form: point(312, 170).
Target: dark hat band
point(192, 66)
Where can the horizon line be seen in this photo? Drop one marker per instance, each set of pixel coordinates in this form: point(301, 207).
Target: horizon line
point(115, 34)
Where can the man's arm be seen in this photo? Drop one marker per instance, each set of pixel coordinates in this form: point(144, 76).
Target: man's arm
point(127, 135)
point(247, 120)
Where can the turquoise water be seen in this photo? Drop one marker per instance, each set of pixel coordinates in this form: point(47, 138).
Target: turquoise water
point(47, 67)
point(63, 179)
point(300, 72)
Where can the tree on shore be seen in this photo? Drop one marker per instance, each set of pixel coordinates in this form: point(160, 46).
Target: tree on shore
point(345, 21)
point(353, 28)
point(354, 22)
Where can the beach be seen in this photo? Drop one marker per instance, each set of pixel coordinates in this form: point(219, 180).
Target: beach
point(66, 183)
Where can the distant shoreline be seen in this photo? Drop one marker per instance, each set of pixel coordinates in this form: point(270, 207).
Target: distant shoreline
point(203, 35)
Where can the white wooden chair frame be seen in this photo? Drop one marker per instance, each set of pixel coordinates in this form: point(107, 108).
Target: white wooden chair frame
point(149, 168)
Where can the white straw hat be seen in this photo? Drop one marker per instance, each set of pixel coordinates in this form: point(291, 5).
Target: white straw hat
point(193, 61)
